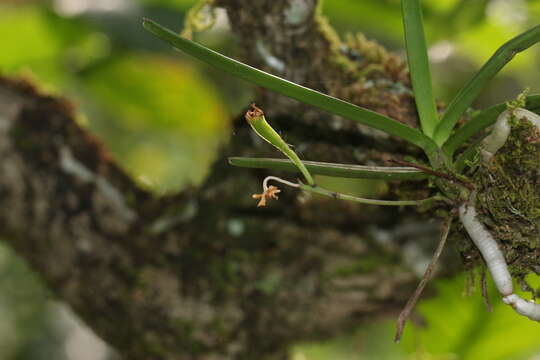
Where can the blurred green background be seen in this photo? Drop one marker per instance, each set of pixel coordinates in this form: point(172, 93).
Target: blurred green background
point(164, 115)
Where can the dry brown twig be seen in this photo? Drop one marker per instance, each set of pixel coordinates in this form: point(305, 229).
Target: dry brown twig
point(483, 286)
point(406, 312)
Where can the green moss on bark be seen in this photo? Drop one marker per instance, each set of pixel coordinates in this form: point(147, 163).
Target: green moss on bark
point(508, 200)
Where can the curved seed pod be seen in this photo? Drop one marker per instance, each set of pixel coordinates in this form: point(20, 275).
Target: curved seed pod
point(488, 247)
point(523, 307)
point(255, 118)
point(501, 130)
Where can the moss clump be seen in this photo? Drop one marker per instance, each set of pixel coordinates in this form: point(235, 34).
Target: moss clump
point(508, 198)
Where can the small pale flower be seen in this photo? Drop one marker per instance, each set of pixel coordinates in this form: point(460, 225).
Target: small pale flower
point(270, 193)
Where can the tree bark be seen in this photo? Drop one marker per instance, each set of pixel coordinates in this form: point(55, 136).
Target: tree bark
point(292, 39)
point(204, 274)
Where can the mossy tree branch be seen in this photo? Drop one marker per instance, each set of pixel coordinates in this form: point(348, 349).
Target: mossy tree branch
point(203, 274)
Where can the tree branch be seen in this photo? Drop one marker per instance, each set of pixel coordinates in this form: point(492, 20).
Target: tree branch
point(202, 274)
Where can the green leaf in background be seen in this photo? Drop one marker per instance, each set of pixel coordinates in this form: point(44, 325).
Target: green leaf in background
point(34, 49)
point(176, 4)
point(379, 17)
point(373, 341)
point(472, 31)
point(382, 18)
point(22, 321)
point(49, 48)
point(37, 42)
point(459, 327)
point(454, 327)
point(465, 97)
point(164, 121)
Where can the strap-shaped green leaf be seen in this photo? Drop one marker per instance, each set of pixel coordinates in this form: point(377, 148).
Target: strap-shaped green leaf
point(469, 92)
point(482, 120)
point(417, 57)
point(333, 169)
point(292, 90)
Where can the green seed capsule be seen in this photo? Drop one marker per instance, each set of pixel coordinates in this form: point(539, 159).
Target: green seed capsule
point(255, 118)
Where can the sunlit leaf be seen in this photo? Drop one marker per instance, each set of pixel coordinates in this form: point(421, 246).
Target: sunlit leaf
point(460, 327)
point(48, 47)
point(163, 118)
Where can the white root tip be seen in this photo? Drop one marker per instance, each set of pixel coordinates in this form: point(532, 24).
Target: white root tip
point(523, 307)
point(510, 299)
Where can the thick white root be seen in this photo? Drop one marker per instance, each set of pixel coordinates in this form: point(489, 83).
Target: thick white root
point(523, 307)
point(488, 247)
point(481, 236)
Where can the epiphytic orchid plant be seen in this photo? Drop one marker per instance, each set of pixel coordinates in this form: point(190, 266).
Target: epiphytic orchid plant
point(460, 180)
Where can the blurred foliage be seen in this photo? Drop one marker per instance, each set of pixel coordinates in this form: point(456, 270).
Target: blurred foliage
point(182, 5)
point(41, 47)
point(171, 114)
point(157, 114)
point(164, 116)
point(22, 309)
point(460, 327)
point(451, 326)
point(462, 34)
point(372, 341)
